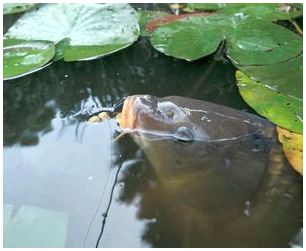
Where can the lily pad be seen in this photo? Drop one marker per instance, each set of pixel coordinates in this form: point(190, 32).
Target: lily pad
point(13, 8)
point(293, 147)
point(266, 11)
point(207, 6)
point(257, 42)
point(286, 77)
point(93, 30)
point(161, 21)
point(21, 57)
point(145, 16)
point(249, 41)
point(190, 38)
point(278, 107)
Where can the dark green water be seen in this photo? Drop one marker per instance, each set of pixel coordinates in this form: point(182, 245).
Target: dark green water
point(59, 171)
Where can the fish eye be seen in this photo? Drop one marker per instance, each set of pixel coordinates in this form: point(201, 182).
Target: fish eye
point(167, 109)
point(183, 133)
point(169, 113)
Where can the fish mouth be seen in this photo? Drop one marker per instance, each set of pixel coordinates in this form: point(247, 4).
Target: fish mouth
point(128, 117)
point(136, 110)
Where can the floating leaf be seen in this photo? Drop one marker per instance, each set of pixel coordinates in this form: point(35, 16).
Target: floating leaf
point(60, 49)
point(93, 30)
point(145, 16)
point(257, 42)
point(22, 57)
point(278, 107)
point(286, 77)
point(13, 8)
point(293, 147)
point(267, 11)
point(206, 6)
point(160, 21)
point(249, 41)
point(190, 38)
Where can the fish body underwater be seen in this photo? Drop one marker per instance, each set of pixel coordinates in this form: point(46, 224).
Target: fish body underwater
point(222, 171)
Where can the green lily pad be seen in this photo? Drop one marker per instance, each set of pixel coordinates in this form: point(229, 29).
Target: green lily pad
point(190, 38)
point(13, 8)
point(249, 41)
point(207, 6)
point(278, 107)
point(145, 16)
point(21, 57)
point(93, 30)
point(286, 77)
point(267, 11)
point(258, 42)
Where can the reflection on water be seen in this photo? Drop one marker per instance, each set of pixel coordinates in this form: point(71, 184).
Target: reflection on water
point(62, 174)
point(58, 167)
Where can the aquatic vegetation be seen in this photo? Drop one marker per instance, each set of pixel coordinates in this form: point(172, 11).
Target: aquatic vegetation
point(88, 30)
point(144, 16)
point(293, 147)
point(277, 106)
point(266, 11)
point(249, 41)
point(285, 76)
point(25, 56)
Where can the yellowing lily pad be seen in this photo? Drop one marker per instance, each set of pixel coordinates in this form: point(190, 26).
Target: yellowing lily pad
point(293, 147)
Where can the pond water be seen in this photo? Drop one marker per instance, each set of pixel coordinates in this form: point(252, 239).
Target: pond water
point(61, 172)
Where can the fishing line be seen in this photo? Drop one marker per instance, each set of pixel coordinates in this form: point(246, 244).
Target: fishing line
point(104, 215)
point(102, 195)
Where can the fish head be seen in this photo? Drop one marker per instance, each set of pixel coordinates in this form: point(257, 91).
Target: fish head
point(154, 116)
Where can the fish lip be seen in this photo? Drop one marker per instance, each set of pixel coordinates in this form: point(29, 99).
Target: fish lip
point(129, 113)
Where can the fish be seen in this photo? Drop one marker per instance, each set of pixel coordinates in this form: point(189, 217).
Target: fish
point(217, 168)
point(197, 147)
